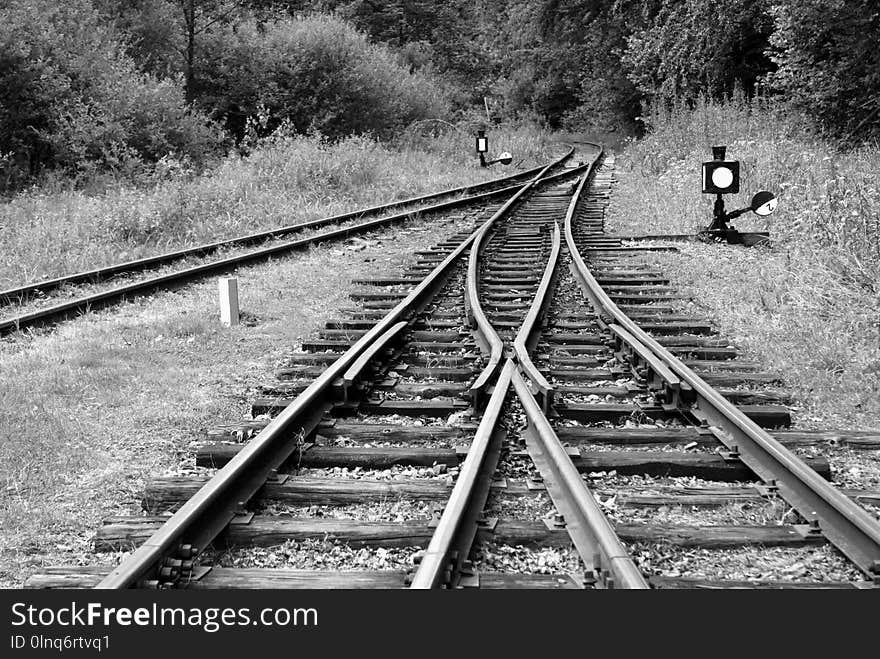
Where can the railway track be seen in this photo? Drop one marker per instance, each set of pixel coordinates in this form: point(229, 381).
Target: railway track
point(473, 423)
point(50, 301)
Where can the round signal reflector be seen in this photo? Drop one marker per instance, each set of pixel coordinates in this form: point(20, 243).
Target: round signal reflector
point(767, 208)
point(764, 203)
point(722, 177)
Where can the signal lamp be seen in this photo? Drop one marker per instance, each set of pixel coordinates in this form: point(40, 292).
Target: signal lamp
point(721, 177)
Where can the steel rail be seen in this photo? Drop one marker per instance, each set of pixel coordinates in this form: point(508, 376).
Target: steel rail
point(104, 298)
point(204, 516)
point(209, 511)
point(9, 295)
point(451, 543)
point(486, 336)
point(590, 531)
point(360, 364)
point(655, 372)
point(456, 530)
point(843, 522)
point(530, 330)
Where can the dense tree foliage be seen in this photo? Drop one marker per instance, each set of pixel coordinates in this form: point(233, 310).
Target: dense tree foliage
point(92, 85)
point(829, 62)
point(73, 99)
point(314, 74)
point(693, 47)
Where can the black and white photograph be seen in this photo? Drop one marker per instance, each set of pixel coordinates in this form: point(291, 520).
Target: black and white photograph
point(538, 295)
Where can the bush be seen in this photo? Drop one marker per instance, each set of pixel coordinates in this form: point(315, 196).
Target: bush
point(696, 47)
point(316, 73)
point(829, 64)
point(73, 100)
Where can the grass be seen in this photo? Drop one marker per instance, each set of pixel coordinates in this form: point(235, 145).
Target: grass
point(92, 410)
point(807, 308)
point(285, 180)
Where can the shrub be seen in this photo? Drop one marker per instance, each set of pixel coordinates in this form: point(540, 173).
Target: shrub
point(316, 73)
point(284, 180)
point(829, 64)
point(73, 100)
point(696, 47)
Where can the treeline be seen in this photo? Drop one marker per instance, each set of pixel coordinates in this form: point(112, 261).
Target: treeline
point(92, 86)
point(577, 62)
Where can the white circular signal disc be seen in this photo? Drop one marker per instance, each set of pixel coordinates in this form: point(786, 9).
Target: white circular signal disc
point(722, 177)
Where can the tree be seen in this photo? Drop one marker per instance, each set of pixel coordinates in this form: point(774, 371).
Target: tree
point(690, 48)
point(73, 99)
point(198, 17)
point(829, 63)
point(315, 74)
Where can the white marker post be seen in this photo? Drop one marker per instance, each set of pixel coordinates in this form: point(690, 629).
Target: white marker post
point(228, 300)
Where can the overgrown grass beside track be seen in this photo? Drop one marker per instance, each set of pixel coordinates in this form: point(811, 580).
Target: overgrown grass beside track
point(284, 180)
point(810, 307)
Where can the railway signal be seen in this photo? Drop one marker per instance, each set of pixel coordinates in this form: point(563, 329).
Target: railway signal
point(721, 177)
point(482, 145)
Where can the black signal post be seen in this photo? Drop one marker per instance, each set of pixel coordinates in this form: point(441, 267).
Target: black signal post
point(482, 147)
point(721, 177)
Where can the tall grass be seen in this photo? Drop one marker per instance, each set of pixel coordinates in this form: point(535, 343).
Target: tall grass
point(816, 294)
point(285, 180)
